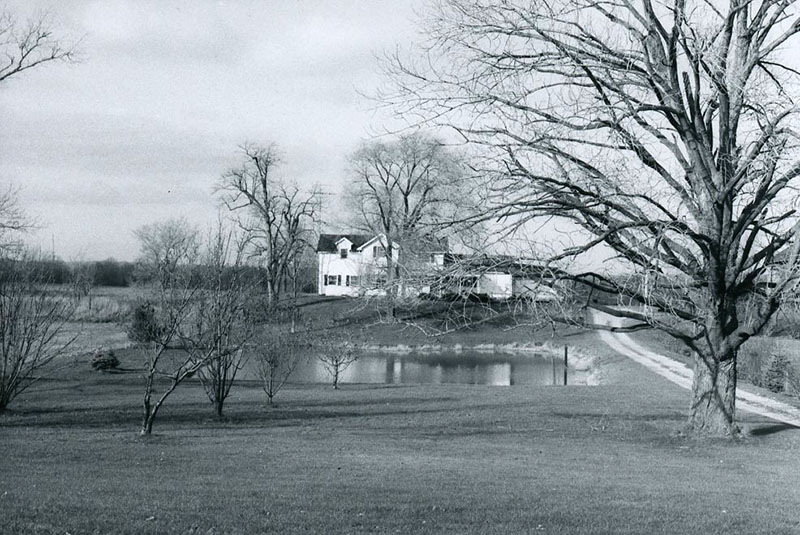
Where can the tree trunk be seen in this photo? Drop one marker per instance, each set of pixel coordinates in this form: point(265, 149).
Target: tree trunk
point(713, 409)
point(391, 289)
point(147, 426)
point(147, 423)
point(150, 413)
point(294, 298)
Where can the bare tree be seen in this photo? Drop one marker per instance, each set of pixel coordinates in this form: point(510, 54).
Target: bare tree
point(404, 190)
point(663, 133)
point(23, 46)
point(168, 251)
point(13, 220)
point(27, 45)
point(83, 274)
point(33, 322)
point(277, 354)
point(336, 355)
point(278, 216)
point(218, 323)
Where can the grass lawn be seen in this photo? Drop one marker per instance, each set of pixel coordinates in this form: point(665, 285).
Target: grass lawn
point(389, 459)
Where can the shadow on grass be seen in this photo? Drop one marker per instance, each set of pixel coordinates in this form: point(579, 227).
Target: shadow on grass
point(242, 414)
point(631, 417)
point(771, 429)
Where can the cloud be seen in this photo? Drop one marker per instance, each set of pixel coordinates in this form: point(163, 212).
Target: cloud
point(152, 116)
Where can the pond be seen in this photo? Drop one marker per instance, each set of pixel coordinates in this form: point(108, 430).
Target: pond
point(470, 368)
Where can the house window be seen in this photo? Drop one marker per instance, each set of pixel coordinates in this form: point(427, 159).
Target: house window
point(333, 280)
point(378, 251)
point(343, 253)
point(352, 280)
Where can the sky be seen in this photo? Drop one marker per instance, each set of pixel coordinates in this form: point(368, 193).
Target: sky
point(144, 125)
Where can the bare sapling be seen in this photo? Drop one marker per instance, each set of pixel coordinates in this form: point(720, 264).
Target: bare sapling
point(168, 250)
point(219, 322)
point(277, 354)
point(336, 355)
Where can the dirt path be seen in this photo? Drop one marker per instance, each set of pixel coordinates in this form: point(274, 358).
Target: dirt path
point(681, 375)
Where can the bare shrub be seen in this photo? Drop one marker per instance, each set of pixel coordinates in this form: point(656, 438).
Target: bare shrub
point(336, 355)
point(276, 356)
point(32, 326)
point(218, 324)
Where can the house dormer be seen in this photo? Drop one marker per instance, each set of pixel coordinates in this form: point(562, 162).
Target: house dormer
point(344, 246)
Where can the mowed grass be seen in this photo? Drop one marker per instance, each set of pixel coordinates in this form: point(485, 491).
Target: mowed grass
point(388, 459)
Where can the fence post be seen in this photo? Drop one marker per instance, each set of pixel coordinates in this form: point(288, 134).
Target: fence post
point(566, 358)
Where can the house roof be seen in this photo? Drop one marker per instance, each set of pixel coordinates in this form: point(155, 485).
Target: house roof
point(518, 267)
point(372, 239)
point(327, 242)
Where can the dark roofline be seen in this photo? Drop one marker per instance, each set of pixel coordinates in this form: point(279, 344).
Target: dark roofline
point(327, 242)
point(500, 264)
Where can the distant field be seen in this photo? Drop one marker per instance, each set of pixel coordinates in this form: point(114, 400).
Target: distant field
point(90, 336)
point(106, 305)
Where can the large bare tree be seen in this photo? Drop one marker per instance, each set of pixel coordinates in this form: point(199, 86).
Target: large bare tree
point(662, 133)
point(404, 189)
point(279, 217)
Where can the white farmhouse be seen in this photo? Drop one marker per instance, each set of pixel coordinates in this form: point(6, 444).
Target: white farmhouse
point(352, 264)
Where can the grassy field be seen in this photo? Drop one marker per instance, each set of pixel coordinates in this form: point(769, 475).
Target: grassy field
point(389, 459)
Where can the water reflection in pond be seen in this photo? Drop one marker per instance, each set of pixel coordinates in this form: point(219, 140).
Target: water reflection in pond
point(443, 368)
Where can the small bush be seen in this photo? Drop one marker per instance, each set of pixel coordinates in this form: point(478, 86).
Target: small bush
point(104, 360)
point(777, 373)
point(145, 327)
